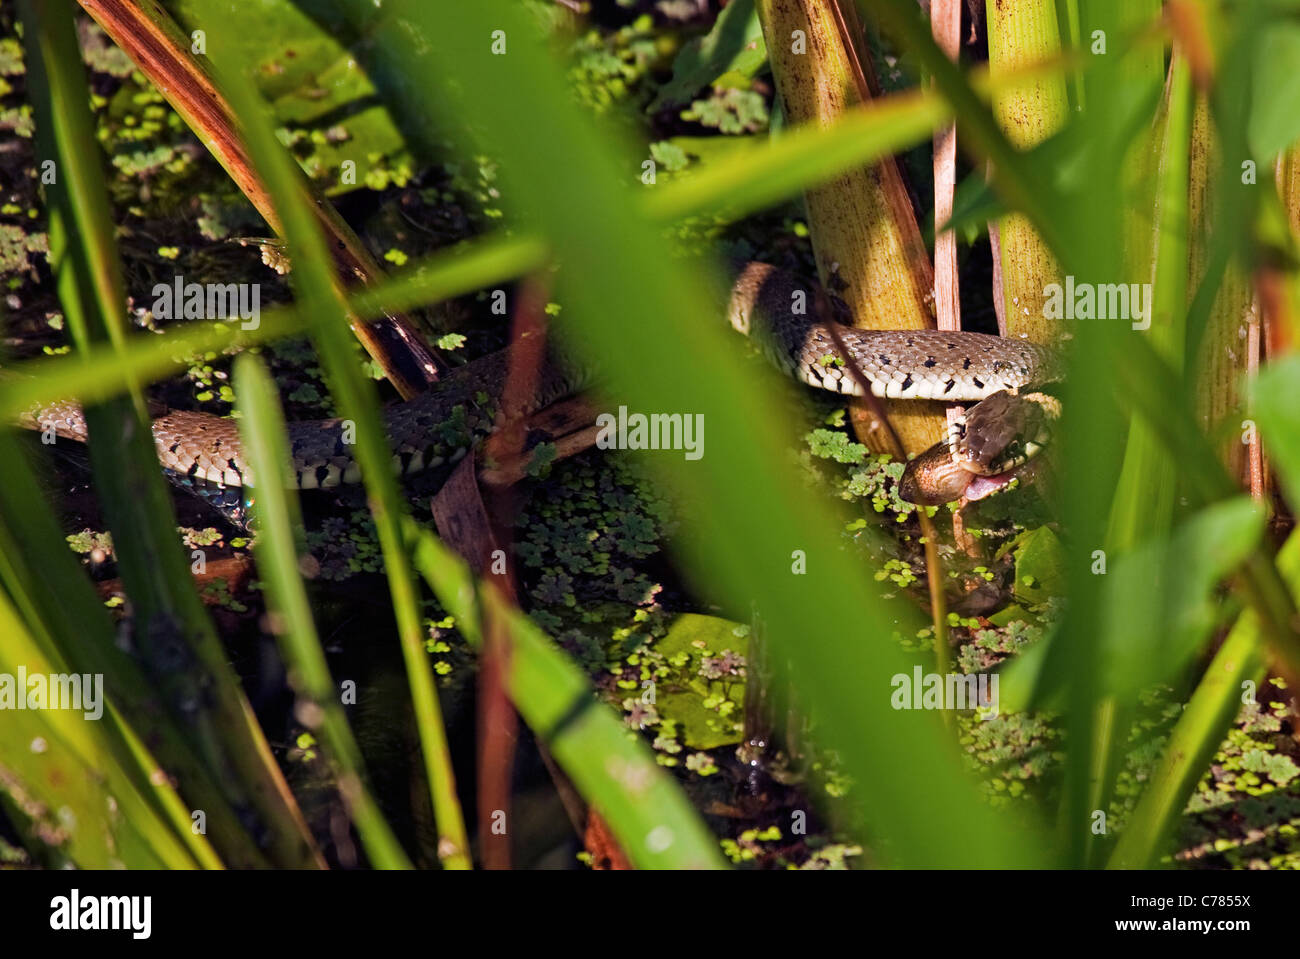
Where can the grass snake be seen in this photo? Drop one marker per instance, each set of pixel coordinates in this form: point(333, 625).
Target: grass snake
point(1012, 421)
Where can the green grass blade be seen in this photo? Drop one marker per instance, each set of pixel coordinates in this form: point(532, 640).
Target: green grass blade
point(72, 629)
point(316, 289)
point(803, 157)
point(650, 815)
point(279, 553)
point(1144, 499)
point(85, 801)
point(166, 610)
point(1199, 731)
point(101, 372)
point(564, 178)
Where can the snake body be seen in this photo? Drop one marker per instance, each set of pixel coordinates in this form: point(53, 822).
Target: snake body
point(204, 453)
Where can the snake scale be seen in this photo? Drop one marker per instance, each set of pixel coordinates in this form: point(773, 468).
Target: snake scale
point(204, 453)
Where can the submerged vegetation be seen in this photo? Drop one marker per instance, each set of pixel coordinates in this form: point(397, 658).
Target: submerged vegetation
point(554, 654)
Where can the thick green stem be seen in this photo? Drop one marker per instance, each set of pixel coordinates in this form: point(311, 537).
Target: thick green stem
point(1023, 32)
point(868, 245)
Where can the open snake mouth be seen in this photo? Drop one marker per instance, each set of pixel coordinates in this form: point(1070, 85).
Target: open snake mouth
point(986, 449)
point(935, 478)
point(982, 486)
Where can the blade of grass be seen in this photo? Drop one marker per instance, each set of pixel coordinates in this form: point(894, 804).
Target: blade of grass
point(100, 372)
point(1156, 249)
point(807, 156)
point(158, 47)
point(566, 179)
point(1199, 731)
point(655, 823)
point(72, 628)
point(1144, 498)
point(85, 800)
point(279, 553)
point(316, 287)
point(167, 615)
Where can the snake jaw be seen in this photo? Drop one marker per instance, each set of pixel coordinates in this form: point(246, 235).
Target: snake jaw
point(936, 477)
point(986, 448)
point(945, 474)
point(984, 486)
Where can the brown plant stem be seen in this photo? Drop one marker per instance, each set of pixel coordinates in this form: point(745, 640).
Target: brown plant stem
point(156, 45)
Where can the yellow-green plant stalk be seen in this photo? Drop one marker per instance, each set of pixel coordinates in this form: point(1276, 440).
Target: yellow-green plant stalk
point(1158, 242)
point(868, 245)
point(1156, 248)
point(1022, 33)
point(1223, 356)
point(1284, 324)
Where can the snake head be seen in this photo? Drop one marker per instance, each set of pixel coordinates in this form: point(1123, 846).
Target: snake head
point(984, 451)
point(1003, 432)
point(935, 478)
